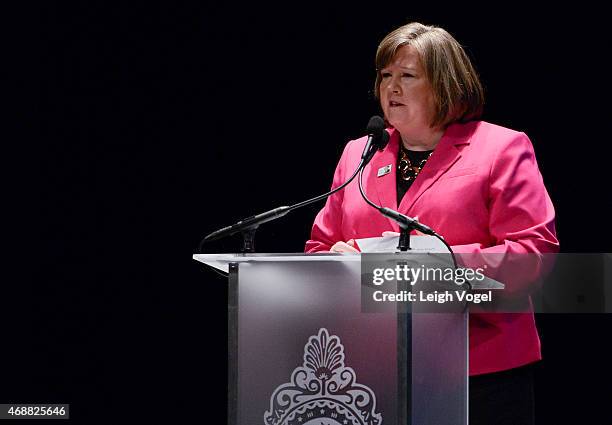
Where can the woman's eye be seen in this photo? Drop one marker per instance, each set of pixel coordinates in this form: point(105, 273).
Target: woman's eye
point(385, 74)
point(405, 74)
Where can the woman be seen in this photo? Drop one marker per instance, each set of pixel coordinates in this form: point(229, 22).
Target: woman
point(475, 183)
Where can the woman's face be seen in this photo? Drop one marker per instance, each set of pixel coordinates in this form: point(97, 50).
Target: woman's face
point(406, 96)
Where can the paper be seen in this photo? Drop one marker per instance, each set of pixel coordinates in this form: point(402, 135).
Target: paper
point(389, 244)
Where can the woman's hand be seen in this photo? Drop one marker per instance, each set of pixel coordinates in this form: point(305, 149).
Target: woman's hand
point(388, 233)
point(348, 246)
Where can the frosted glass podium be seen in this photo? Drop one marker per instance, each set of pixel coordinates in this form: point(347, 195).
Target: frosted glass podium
point(302, 351)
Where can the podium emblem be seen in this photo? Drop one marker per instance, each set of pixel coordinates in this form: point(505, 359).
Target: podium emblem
point(323, 390)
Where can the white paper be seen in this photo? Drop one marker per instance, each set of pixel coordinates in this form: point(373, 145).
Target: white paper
point(389, 244)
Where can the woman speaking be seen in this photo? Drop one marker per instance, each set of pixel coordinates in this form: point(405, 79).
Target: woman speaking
point(475, 183)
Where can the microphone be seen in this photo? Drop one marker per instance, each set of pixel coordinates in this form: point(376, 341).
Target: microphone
point(376, 135)
point(248, 223)
point(384, 141)
point(380, 146)
point(406, 222)
point(377, 140)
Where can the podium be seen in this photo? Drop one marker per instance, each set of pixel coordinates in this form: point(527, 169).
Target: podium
point(303, 351)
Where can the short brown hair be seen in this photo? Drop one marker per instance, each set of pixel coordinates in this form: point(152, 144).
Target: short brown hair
point(458, 93)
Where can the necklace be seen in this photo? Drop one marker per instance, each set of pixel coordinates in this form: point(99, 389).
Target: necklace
point(407, 170)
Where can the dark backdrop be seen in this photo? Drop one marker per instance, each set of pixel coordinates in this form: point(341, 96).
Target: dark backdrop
point(155, 123)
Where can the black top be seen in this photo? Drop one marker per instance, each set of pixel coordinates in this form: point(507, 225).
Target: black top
point(416, 160)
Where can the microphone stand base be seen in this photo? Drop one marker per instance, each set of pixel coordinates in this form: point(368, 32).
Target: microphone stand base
point(404, 239)
point(248, 240)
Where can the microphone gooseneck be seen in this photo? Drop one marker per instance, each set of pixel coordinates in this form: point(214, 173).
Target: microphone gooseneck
point(407, 224)
point(377, 140)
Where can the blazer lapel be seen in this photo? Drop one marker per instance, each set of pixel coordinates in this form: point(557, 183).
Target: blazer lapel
point(444, 156)
point(385, 185)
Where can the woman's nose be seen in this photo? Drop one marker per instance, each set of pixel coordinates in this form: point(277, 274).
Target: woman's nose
point(393, 86)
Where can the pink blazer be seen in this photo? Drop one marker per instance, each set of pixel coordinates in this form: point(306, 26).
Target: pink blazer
point(482, 191)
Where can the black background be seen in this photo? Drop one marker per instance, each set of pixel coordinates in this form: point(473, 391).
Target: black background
point(150, 124)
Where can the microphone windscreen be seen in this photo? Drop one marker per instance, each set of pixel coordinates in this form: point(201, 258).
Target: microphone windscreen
point(382, 141)
point(376, 125)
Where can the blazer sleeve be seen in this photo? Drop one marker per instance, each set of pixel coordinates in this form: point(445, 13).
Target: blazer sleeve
point(521, 220)
point(327, 227)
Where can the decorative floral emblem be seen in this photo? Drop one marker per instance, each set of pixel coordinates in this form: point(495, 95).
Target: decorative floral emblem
point(323, 390)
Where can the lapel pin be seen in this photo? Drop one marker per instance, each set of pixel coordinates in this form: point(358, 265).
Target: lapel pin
point(384, 170)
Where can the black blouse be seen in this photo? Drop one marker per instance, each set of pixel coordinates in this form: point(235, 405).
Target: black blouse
point(416, 159)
